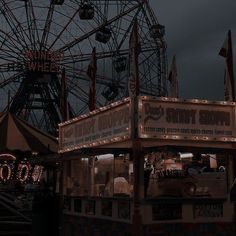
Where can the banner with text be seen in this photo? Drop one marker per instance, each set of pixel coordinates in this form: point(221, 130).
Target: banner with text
point(112, 124)
point(174, 119)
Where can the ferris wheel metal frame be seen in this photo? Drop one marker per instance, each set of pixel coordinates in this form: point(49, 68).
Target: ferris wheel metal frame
point(39, 39)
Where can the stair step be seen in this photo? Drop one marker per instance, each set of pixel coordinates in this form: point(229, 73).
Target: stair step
point(10, 217)
point(15, 233)
point(15, 226)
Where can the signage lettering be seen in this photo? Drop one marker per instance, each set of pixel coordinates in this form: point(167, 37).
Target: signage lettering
point(208, 210)
point(111, 123)
point(44, 55)
point(85, 128)
point(181, 116)
point(186, 119)
point(214, 117)
point(113, 119)
point(43, 61)
point(187, 116)
point(153, 113)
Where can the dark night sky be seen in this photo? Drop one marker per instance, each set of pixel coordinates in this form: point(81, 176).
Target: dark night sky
point(195, 32)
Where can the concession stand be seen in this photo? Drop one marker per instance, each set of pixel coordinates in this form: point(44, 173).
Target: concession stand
point(149, 166)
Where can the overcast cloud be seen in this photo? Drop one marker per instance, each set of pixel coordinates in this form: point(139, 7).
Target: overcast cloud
point(195, 32)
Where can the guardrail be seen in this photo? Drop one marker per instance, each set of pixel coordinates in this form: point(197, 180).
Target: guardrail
point(119, 209)
point(153, 210)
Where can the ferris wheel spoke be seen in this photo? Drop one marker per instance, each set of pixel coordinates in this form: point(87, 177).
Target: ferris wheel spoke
point(6, 56)
point(78, 92)
point(69, 60)
point(83, 109)
point(10, 42)
point(79, 95)
point(19, 99)
point(47, 26)
point(100, 79)
point(34, 23)
point(146, 18)
point(142, 27)
point(64, 28)
point(34, 119)
point(13, 23)
point(11, 79)
point(8, 47)
point(105, 10)
point(151, 22)
point(108, 22)
point(31, 22)
point(49, 107)
point(128, 30)
point(83, 98)
point(10, 60)
point(151, 13)
point(10, 67)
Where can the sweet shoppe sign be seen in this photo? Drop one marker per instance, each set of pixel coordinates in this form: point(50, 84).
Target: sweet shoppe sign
point(108, 125)
point(161, 119)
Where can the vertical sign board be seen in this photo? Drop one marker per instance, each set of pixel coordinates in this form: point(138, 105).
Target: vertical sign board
point(193, 119)
point(100, 127)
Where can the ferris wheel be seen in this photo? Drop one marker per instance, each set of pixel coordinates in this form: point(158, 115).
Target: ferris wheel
point(40, 38)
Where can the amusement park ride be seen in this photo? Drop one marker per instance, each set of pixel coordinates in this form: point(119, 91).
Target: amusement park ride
point(40, 39)
point(47, 49)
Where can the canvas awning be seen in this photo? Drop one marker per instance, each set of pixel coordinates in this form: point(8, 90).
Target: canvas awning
point(16, 134)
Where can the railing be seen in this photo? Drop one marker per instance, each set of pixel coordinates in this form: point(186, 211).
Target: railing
point(153, 211)
point(119, 209)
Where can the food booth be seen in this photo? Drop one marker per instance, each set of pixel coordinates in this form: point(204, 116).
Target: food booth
point(149, 166)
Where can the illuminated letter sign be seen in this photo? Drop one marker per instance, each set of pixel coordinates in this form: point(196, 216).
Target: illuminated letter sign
point(23, 172)
point(37, 172)
point(201, 120)
point(5, 172)
point(43, 61)
point(109, 125)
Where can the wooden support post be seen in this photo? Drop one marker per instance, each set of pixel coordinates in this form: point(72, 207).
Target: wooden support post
point(90, 180)
point(61, 196)
point(137, 156)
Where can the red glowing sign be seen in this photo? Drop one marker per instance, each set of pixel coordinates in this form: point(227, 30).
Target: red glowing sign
point(43, 61)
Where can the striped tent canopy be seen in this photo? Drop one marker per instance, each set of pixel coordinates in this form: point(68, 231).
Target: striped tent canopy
point(17, 135)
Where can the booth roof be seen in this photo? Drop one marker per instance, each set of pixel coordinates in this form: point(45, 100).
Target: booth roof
point(16, 134)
